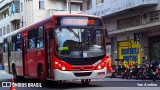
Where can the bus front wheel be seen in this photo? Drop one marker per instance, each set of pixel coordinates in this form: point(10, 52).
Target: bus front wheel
point(85, 81)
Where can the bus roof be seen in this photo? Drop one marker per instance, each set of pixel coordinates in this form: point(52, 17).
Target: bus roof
point(24, 28)
point(76, 15)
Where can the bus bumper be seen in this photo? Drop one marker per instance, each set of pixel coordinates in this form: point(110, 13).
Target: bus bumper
point(75, 75)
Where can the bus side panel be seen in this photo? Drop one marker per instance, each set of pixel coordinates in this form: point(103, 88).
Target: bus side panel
point(18, 63)
point(31, 62)
point(35, 57)
point(5, 61)
point(13, 59)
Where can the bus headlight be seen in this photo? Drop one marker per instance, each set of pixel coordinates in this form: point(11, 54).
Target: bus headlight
point(101, 65)
point(63, 68)
point(60, 65)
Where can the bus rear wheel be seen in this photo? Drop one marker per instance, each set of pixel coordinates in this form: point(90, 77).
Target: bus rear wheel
point(41, 75)
point(16, 78)
point(85, 81)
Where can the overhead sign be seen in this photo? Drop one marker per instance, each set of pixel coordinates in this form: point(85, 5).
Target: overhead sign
point(78, 21)
point(74, 21)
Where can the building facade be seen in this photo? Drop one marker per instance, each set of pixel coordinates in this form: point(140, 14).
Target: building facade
point(15, 14)
point(133, 28)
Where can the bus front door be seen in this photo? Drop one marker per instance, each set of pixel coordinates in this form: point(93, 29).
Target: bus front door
point(48, 48)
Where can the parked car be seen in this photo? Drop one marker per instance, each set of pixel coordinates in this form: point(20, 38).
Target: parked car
point(4, 76)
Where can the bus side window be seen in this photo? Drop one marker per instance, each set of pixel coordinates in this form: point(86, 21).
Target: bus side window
point(39, 37)
point(18, 42)
point(31, 39)
point(13, 43)
point(5, 45)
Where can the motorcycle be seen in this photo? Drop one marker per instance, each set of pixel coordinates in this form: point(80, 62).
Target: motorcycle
point(156, 74)
point(133, 71)
point(126, 72)
point(141, 72)
point(118, 71)
point(149, 71)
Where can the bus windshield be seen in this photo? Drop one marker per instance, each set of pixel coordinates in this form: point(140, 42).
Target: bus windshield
point(76, 42)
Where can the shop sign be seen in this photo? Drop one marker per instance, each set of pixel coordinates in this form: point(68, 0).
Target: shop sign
point(129, 52)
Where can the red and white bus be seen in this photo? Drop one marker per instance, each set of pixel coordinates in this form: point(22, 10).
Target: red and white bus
point(59, 48)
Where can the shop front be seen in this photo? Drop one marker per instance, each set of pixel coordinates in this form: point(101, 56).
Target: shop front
point(154, 45)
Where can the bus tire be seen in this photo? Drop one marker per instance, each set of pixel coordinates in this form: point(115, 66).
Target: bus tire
point(85, 81)
point(16, 78)
point(41, 75)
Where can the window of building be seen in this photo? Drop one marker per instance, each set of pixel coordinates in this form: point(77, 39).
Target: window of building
point(98, 2)
point(59, 5)
point(1, 32)
point(74, 7)
point(41, 4)
point(89, 4)
point(39, 38)
point(31, 38)
point(5, 14)
point(17, 6)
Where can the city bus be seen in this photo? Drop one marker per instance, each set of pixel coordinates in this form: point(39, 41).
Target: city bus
point(58, 48)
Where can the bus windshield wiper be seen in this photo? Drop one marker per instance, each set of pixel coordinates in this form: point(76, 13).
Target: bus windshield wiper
point(77, 36)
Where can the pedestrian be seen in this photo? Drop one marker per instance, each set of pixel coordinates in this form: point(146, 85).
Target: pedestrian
point(108, 63)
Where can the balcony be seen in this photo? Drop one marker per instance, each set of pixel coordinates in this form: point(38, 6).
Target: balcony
point(54, 12)
point(4, 21)
point(149, 21)
point(15, 17)
point(4, 3)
